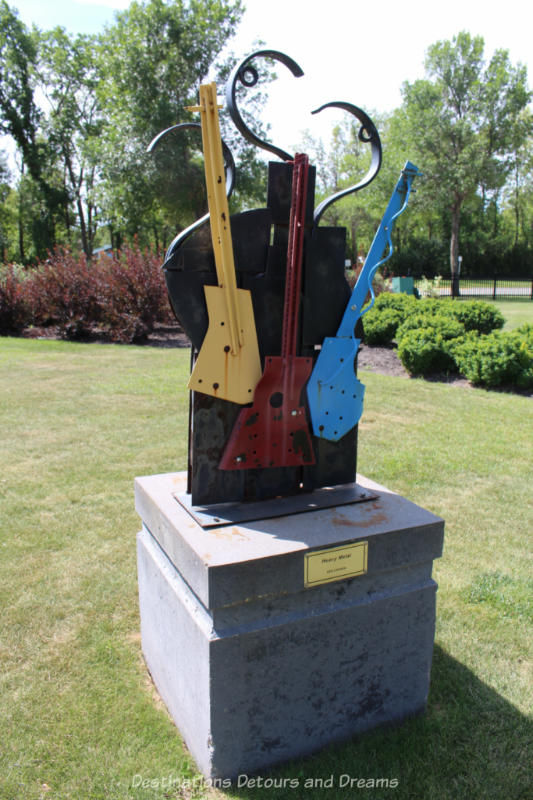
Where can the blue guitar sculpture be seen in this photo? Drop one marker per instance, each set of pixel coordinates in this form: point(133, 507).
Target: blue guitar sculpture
point(334, 393)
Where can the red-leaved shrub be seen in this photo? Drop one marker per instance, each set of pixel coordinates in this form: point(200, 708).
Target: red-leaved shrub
point(14, 307)
point(63, 291)
point(121, 297)
point(133, 294)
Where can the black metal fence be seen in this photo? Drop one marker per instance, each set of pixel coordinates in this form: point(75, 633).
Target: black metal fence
point(495, 288)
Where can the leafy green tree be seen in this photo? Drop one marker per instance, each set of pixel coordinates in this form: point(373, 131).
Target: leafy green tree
point(343, 164)
point(153, 60)
point(68, 78)
point(21, 117)
point(464, 125)
point(5, 215)
point(518, 194)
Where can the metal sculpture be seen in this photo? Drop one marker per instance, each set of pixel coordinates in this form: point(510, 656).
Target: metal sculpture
point(274, 431)
point(334, 392)
point(248, 75)
point(293, 270)
point(367, 133)
point(228, 364)
point(173, 263)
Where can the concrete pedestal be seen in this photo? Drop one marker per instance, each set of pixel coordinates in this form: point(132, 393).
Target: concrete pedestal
point(262, 655)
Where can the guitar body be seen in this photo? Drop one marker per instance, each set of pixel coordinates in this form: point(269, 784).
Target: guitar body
point(336, 394)
point(218, 371)
point(228, 365)
point(274, 431)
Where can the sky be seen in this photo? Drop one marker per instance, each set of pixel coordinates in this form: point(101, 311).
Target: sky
point(360, 52)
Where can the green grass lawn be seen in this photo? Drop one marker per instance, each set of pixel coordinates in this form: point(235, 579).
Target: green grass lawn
point(80, 716)
point(516, 312)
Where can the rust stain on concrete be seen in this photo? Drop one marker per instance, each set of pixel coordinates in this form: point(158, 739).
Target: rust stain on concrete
point(374, 519)
point(231, 534)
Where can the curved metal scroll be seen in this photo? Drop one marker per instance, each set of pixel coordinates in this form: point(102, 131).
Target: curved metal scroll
point(367, 133)
point(229, 164)
point(248, 76)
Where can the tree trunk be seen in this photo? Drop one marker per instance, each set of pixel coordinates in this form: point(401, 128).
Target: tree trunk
point(20, 220)
point(516, 209)
point(83, 227)
point(454, 248)
point(21, 240)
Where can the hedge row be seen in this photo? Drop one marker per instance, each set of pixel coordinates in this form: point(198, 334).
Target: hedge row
point(450, 336)
point(122, 296)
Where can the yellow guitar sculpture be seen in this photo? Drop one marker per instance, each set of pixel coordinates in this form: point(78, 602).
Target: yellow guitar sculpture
point(228, 364)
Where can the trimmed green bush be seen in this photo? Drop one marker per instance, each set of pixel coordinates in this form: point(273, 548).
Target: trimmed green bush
point(438, 335)
point(380, 326)
point(526, 330)
point(425, 350)
point(497, 359)
point(476, 315)
point(444, 324)
point(405, 303)
point(382, 320)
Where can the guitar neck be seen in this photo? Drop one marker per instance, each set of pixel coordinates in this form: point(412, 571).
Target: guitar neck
point(382, 239)
point(289, 335)
point(219, 216)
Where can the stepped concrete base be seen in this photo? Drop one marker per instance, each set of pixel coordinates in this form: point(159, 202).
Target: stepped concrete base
point(261, 653)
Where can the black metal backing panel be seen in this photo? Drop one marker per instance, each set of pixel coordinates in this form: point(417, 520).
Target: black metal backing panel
point(187, 298)
point(279, 192)
point(325, 290)
point(192, 267)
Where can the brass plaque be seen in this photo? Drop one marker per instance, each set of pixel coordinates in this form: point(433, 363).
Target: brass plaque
point(335, 563)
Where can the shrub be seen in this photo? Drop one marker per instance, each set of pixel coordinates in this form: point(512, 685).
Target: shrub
point(425, 343)
point(430, 288)
point(444, 324)
point(380, 326)
point(14, 308)
point(404, 303)
point(476, 315)
point(499, 358)
point(133, 294)
point(125, 295)
point(64, 291)
point(424, 351)
point(380, 283)
point(526, 330)
point(381, 322)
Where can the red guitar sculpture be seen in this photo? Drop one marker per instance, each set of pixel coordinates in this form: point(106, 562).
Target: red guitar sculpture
point(273, 432)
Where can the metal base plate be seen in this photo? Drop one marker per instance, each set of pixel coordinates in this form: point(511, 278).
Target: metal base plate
point(211, 516)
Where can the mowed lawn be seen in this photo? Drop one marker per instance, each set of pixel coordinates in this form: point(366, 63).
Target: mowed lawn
point(80, 718)
point(516, 312)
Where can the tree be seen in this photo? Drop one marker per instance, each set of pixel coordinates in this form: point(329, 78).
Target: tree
point(82, 111)
point(21, 117)
point(343, 164)
point(153, 59)
point(519, 193)
point(463, 121)
point(5, 216)
point(68, 77)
